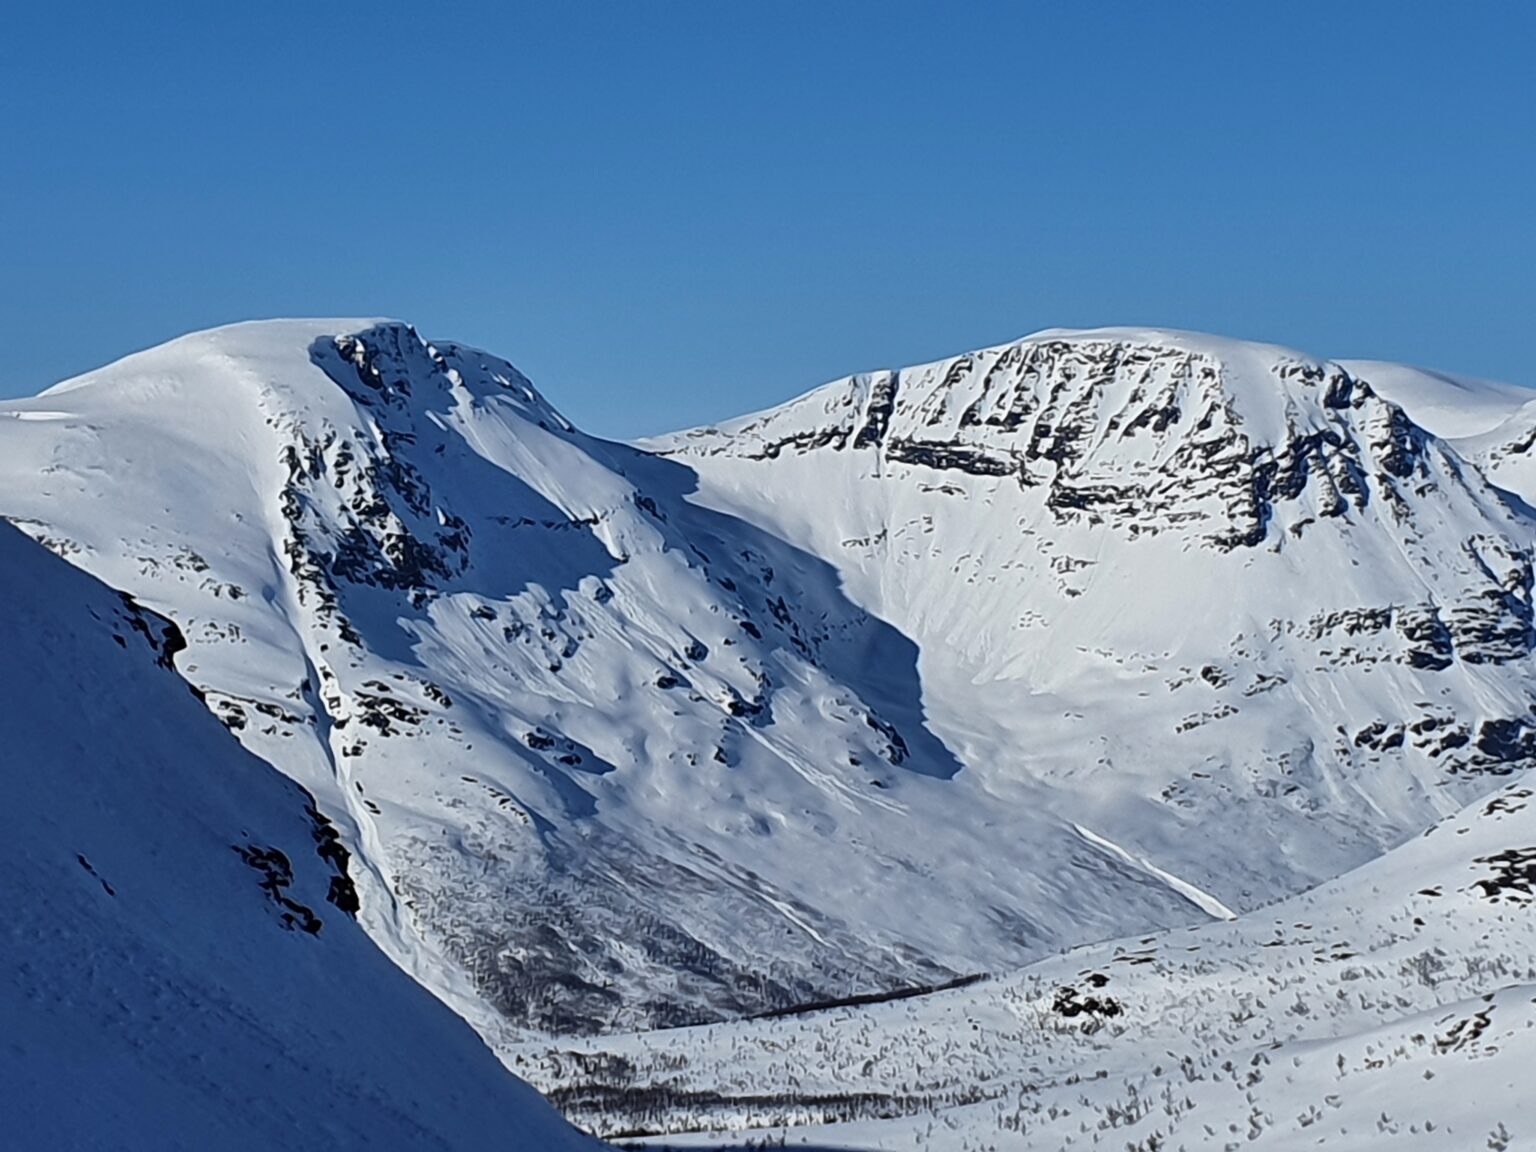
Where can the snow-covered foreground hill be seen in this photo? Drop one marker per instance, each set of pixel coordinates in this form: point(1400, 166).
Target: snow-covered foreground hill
point(178, 965)
point(927, 673)
point(1392, 1008)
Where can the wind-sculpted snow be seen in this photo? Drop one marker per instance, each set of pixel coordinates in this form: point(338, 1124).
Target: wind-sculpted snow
point(928, 673)
point(181, 967)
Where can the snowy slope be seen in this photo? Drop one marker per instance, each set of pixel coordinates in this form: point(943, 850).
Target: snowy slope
point(1185, 584)
point(1504, 452)
point(1448, 406)
point(179, 967)
point(1392, 1008)
point(1490, 425)
point(1086, 635)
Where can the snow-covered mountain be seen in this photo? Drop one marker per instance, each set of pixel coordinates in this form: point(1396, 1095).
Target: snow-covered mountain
point(1490, 425)
point(927, 673)
point(179, 966)
point(1104, 539)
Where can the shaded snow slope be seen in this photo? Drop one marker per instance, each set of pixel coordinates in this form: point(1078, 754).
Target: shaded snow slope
point(1492, 426)
point(180, 969)
point(1085, 635)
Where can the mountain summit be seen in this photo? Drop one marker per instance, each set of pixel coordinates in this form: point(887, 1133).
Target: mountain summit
point(1089, 634)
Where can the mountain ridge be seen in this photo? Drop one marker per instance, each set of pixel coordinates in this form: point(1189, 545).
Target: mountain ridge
point(596, 720)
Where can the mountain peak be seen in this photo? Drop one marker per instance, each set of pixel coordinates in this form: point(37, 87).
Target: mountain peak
point(377, 363)
point(1049, 607)
point(1228, 349)
point(1143, 430)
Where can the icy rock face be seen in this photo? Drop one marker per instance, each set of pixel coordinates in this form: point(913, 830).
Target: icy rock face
point(1084, 635)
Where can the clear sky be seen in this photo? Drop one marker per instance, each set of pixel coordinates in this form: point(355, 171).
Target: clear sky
point(671, 212)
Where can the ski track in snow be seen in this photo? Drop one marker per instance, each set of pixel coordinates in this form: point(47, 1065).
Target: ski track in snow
point(1207, 903)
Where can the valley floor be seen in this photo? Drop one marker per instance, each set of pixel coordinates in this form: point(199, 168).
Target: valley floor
point(1394, 1007)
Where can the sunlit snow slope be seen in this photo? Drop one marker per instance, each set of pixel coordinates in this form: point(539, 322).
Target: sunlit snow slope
point(1218, 604)
point(929, 672)
point(1393, 1008)
point(178, 968)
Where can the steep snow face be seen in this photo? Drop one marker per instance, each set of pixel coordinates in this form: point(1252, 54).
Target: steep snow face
point(181, 968)
point(1090, 634)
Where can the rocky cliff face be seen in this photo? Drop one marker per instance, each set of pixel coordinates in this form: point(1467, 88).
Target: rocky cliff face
point(1119, 437)
point(1077, 636)
point(1141, 433)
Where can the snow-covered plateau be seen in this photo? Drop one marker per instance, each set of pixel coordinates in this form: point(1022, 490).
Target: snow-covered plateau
point(935, 677)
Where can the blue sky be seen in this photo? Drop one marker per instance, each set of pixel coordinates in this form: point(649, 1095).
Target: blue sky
point(668, 213)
